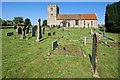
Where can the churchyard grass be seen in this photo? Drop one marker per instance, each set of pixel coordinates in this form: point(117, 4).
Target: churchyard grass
point(29, 59)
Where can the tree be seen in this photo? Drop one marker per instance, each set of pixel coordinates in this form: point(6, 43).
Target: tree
point(0, 21)
point(44, 23)
point(9, 22)
point(18, 20)
point(4, 23)
point(112, 17)
point(27, 22)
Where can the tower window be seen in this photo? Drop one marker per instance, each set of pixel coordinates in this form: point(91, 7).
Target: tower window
point(51, 9)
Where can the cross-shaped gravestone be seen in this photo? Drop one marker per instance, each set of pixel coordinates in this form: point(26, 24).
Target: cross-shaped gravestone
point(39, 36)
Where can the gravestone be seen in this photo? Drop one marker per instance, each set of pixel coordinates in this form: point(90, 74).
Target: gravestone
point(43, 30)
point(49, 34)
point(9, 33)
point(53, 33)
point(91, 32)
point(103, 31)
point(84, 41)
point(54, 45)
point(15, 27)
point(39, 36)
point(94, 52)
point(23, 36)
point(33, 31)
point(27, 29)
point(64, 23)
point(19, 30)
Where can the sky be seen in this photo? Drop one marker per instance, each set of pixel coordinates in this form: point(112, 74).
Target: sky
point(35, 10)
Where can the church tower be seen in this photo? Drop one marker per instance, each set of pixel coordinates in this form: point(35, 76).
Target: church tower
point(53, 11)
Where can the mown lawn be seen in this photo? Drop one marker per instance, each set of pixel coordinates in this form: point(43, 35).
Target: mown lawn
point(30, 59)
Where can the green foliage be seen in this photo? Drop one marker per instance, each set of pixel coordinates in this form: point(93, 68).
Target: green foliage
point(18, 20)
point(4, 23)
point(44, 23)
point(9, 22)
point(27, 22)
point(0, 21)
point(112, 17)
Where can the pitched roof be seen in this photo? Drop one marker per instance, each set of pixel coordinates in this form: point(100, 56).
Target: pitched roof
point(76, 16)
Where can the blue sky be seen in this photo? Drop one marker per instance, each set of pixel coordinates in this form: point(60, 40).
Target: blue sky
point(35, 10)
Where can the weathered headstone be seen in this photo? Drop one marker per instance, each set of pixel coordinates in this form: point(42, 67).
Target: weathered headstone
point(33, 31)
point(49, 34)
point(27, 29)
point(9, 33)
point(15, 27)
point(23, 36)
point(54, 45)
point(43, 30)
point(39, 36)
point(64, 23)
point(95, 52)
point(19, 30)
point(103, 31)
point(53, 33)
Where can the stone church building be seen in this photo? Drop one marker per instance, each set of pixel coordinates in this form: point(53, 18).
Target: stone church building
point(70, 20)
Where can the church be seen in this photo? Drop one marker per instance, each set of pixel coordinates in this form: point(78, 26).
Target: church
point(70, 20)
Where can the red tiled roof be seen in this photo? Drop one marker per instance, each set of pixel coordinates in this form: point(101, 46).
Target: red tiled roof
point(76, 16)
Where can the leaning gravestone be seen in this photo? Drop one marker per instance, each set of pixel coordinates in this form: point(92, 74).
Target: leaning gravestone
point(33, 31)
point(19, 30)
point(54, 45)
point(95, 52)
point(9, 33)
